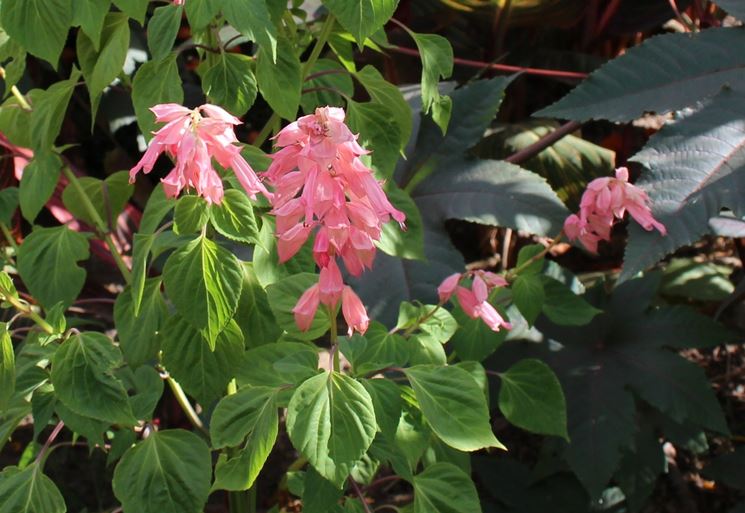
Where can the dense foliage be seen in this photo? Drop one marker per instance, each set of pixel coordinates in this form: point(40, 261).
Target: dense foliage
point(232, 259)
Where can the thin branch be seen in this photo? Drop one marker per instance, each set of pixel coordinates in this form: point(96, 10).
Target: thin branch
point(52, 436)
point(543, 143)
point(325, 72)
point(360, 495)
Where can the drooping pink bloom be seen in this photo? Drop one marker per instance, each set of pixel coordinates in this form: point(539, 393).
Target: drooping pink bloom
point(475, 302)
point(605, 201)
point(192, 138)
point(354, 312)
point(322, 190)
point(306, 307)
point(179, 2)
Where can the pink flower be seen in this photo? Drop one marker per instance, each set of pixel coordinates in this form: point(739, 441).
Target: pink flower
point(320, 184)
point(604, 201)
point(179, 2)
point(447, 287)
point(306, 307)
point(192, 138)
point(354, 312)
point(475, 302)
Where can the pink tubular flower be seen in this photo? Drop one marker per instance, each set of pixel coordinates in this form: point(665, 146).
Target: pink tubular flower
point(354, 312)
point(192, 138)
point(604, 201)
point(475, 302)
point(306, 307)
point(321, 185)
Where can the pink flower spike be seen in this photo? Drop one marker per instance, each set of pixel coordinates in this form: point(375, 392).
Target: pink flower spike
point(447, 287)
point(306, 307)
point(354, 312)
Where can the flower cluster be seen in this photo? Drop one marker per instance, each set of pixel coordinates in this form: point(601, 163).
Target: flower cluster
point(321, 186)
point(604, 201)
point(475, 302)
point(192, 138)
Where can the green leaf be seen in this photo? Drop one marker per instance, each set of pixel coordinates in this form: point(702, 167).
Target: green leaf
point(203, 373)
point(280, 82)
point(266, 259)
point(39, 25)
point(190, 215)
point(133, 8)
point(319, 494)
point(14, 56)
point(251, 18)
point(82, 374)
point(563, 306)
point(8, 204)
point(100, 68)
point(141, 245)
point(11, 417)
point(138, 334)
point(168, 472)
point(162, 29)
point(253, 315)
point(7, 367)
point(39, 180)
point(526, 254)
point(284, 295)
point(444, 488)
point(149, 387)
point(335, 79)
point(278, 365)
point(387, 94)
point(378, 132)
point(437, 62)
point(47, 263)
point(528, 295)
point(531, 398)
point(155, 82)
point(362, 18)
point(230, 82)
point(697, 66)
point(709, 144)
point(200, 12)
point(87, 427)
point(398, 242)
point(331, 421)
point(234, 217)
point(29, 491)
point(376, 350)
point(474, 340)
point(49, 111)
point(251, 413)
point(109, 197)
point(705, 281)
point(90, 16)
point(156, 209)
point(204, 281)
point(454, 405)
point(387, 403)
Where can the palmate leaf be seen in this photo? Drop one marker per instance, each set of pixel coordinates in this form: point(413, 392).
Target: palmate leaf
point(695, 167)
point(664, 73)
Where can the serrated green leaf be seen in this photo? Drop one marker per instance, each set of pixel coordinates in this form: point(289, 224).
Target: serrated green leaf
point(361, 18)
point(387, 403)
point(155, 82)
point(528, 295)
point(82, 374)
point(230, 82)
point(37, 185)
point(284, 295)
point(138, 334)
point(563, 306)
point(405, 242)
point(531, 398)
point(444, 488)
point(253, 315)
point(280, 82)
point(90, 16)
point(100, 68)
point(378, 132)
point(109, 197)
point(49, 111)
point(162, 29)
point(474, 340)
point(437, 63)
point(387, 94)
point(39, 25)
point(190, 215)
point(151, 476)
point(331, 421)
point(278, 365)
point(204, 281)
point(234, 217)
point(251, 18)
point(454, 406)
point(29, 491)
point(47, 263)
point(376, 350)
point(203, 373)
point(697, 66)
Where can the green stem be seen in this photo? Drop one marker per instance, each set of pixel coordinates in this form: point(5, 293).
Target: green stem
point(334, 337)
point(99, 223)
point(27, 311)
point(512, 273)
point(323, 36)
point(421, 320)
point(183, 401)
point(16, 92)
point(9, 237)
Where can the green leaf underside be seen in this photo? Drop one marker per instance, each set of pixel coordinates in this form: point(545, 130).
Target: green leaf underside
point(331, 421)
